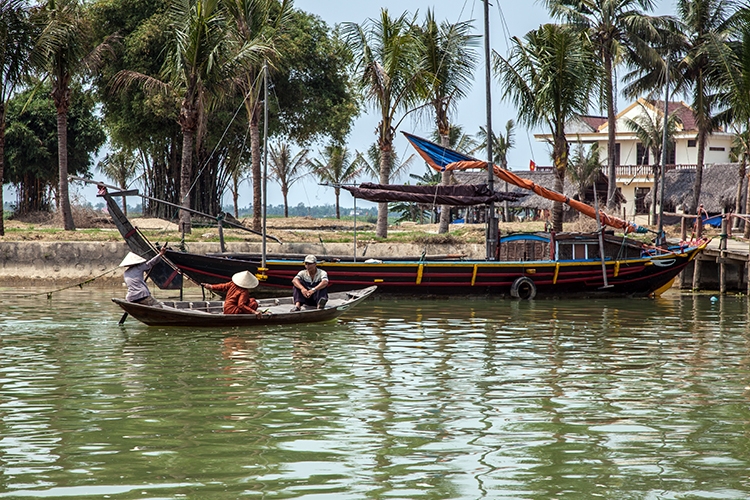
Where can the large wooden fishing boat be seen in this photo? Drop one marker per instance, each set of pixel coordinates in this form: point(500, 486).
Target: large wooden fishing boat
point(529, 265)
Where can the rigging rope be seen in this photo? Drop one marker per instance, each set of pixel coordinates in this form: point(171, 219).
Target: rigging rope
point(79, 285)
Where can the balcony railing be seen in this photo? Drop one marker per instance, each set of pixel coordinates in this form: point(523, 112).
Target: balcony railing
point(633, 171)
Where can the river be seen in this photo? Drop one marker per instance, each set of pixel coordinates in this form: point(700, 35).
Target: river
point(616, 399)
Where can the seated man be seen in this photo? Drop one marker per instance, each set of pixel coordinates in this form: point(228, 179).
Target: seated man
point(310, 285)
point(238, 299)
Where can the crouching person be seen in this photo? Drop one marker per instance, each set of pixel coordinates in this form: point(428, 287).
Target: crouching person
point(238, 299)
point(310, 285)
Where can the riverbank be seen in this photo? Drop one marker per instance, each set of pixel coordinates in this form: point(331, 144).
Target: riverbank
point(60, 263)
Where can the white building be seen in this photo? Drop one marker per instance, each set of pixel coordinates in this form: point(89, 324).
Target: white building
point(634, 172)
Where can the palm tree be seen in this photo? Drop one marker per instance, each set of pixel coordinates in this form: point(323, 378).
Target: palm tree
point(649, 129)
point(199, 63)
point(696, 41)
point(733, 80)
point(259, 24)
point(584, 168)
point(335, 168)
point(704, 26)
point(287, 169)
point(237, 170)
point(501, 145)
point(450, 60)
point(417, 212)
point(615, 27)
point(371, 163)
point(16, 41)
point(66, 49)
point(387, 55)
point(457, 140)
point(121, 166)
point(549, 77)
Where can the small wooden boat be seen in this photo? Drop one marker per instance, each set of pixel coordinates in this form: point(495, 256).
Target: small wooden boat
point(277, 311)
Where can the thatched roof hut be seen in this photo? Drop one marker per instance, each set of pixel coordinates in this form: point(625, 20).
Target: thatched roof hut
point(545, 179)
point(718, 190)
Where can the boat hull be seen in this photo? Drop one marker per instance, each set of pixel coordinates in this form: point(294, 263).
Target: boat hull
point(277, 311)
point(636, 277)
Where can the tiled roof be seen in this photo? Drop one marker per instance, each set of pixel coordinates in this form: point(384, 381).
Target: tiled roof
point(593, 121)
point(681, 109)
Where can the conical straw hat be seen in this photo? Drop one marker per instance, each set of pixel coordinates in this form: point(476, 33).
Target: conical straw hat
point(245, 279)
point(132, 259)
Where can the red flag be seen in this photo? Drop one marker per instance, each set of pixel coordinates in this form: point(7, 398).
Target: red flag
point(532, 165)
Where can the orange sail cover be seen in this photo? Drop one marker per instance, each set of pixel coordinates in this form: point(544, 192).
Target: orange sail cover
point(440, 158)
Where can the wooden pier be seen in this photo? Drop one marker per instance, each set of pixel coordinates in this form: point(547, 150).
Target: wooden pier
point(723, 266)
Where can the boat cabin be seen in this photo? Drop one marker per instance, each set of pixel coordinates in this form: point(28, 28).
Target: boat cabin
point(527, 247)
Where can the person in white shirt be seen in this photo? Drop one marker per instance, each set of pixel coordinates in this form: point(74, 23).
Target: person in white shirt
point(310, 285)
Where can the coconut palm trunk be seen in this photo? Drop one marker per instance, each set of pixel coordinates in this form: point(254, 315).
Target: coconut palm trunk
point(2, 163)
point(186, 176)
point(386, 157)
point(253, 110)
point(611, 134)
point(698, 184)
point(741, 173)
point(445, 180)
point(560, 152)
point(655, 169)
point(337, 192)
point(61, 96)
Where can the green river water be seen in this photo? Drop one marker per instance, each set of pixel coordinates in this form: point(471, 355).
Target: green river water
point(398, 399)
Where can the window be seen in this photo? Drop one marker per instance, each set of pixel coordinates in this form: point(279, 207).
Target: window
point(671, 155)
point(692, 143)
point(580, 251)
point(640, 200)
point(617, 153)
point(716, 148)
point(641, 154)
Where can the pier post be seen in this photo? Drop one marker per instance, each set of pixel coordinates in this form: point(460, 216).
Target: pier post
point(696, 272)
point(722, 257)
point(683, 229)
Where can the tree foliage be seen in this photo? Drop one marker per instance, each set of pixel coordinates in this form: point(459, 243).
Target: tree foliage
point(31, 144)
point(550, 76)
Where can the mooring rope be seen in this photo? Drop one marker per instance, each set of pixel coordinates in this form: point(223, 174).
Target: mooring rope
point(79, 285)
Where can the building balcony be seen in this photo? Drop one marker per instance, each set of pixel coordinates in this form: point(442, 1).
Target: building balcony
point(633, 171)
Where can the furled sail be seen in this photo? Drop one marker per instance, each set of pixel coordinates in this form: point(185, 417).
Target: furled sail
point(440, 158)
point(460, 195)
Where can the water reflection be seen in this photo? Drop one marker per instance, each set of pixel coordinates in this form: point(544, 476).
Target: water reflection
point(407, 399)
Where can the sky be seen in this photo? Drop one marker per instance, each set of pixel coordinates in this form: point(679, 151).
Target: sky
point(508, 18)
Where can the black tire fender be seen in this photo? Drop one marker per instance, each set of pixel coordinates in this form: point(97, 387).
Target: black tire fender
point(523, 288)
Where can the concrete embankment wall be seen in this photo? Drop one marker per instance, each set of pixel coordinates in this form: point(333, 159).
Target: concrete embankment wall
point(63, 263)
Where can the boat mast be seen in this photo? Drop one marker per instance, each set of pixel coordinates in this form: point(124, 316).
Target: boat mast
point(491, 246)
point(660, 239)
point(265, 161)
